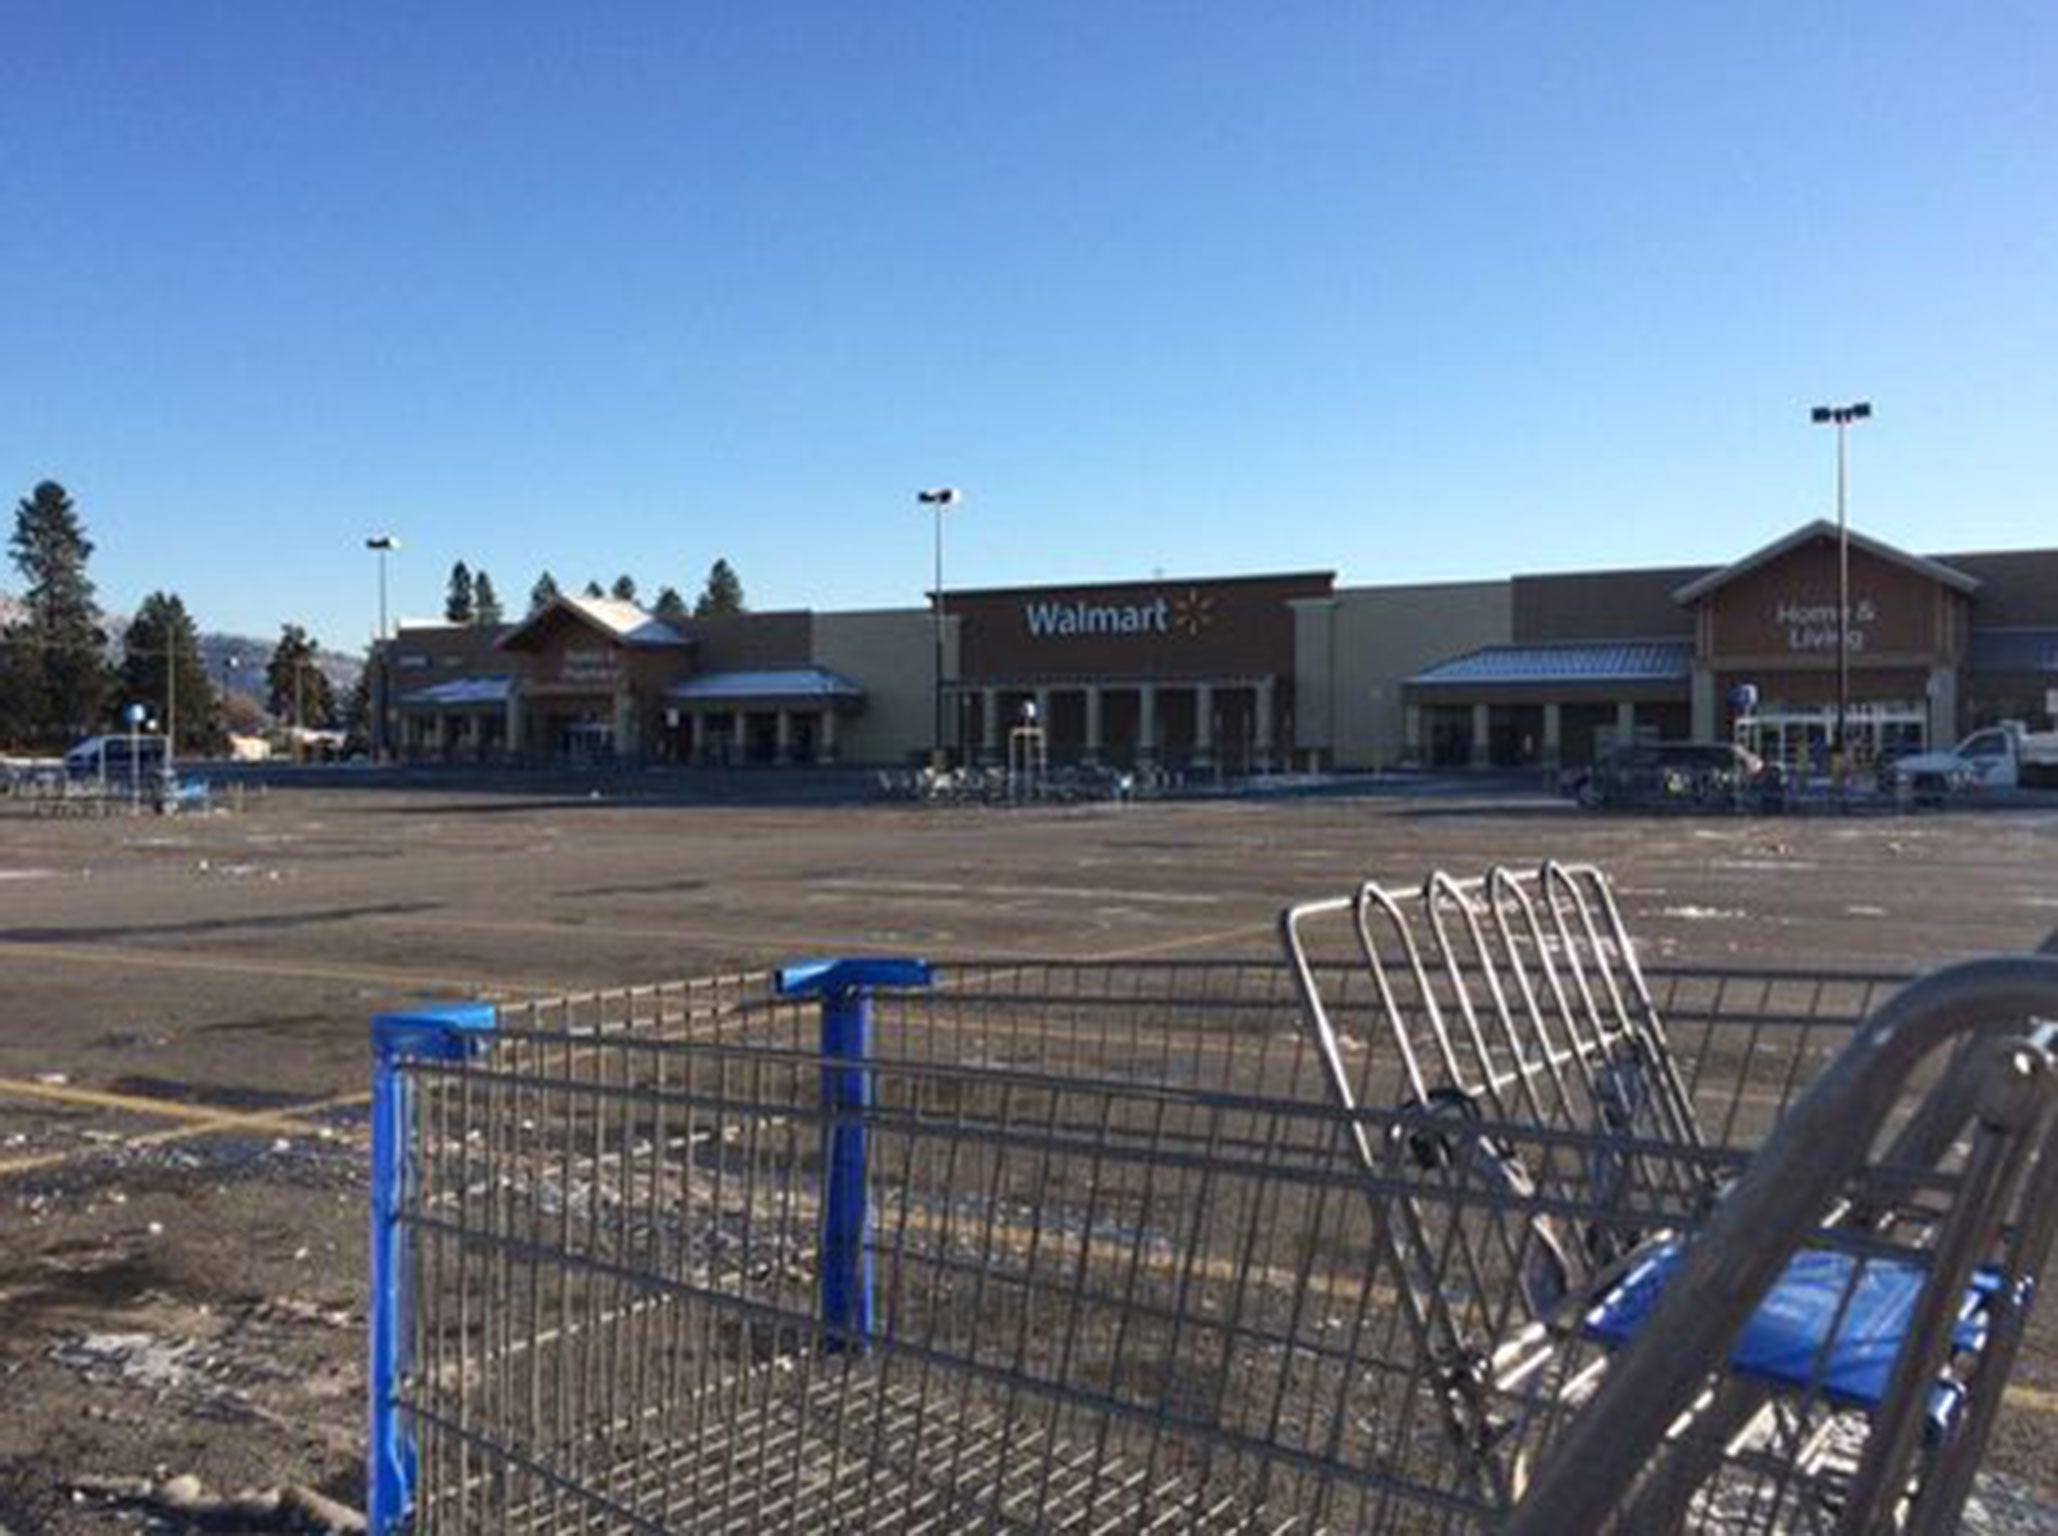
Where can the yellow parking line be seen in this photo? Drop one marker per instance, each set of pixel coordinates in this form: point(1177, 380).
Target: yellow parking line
point(148, 959)
point(1188, 941)
point(198, 1120)
point(163, 1109)
point(2030, 1399)
point(760, 942)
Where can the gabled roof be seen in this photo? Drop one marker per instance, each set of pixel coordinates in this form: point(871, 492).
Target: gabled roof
point(623, 623)
point(1823, 528)
point(767, 683)
point(1610, 661)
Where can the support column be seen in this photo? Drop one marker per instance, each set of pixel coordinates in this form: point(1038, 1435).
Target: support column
point(829, 735)
point(1625, 724)
point(443, 737)
point(989, 726)
point(625, 724)
point(1261, 744)
point(1204, 725)
point(1482, 732)
point(1704, 712)
point(1943, 708)
point(1554, 735)
point(514, 725)
point(1412, 743)
point(782, 737)
point(1147, 723)
point(1093, 724)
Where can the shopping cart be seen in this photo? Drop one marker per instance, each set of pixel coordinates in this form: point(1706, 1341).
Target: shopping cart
point(1366, 1237)
point(1629, 1327)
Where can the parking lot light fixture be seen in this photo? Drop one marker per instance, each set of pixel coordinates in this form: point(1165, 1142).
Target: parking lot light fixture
point(382, 545)
point(939, 499)
point(1841, 417)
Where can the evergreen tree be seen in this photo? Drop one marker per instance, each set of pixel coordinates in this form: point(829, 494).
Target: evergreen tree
point(670, 605)
point(162, 669)
point(21, 688)
point(457, 604)
point(723, 593)
point(485, 602)
point(67, 677)
point(296, 689)
point(595, 589)
point(624, 589)
point(357, 711)
point(544, 593)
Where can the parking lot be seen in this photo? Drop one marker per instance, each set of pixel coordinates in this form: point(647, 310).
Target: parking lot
point(183, 1069)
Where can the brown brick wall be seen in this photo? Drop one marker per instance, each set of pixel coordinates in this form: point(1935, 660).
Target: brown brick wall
point(1604, 605)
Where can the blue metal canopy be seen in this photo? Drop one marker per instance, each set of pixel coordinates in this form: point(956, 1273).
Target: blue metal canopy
point(1611, 661)
point(2015, 650)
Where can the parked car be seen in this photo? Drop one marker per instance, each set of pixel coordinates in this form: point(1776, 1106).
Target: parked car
point(1675, 773)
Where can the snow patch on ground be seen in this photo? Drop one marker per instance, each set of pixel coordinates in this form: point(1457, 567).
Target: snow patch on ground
point(140, 1358)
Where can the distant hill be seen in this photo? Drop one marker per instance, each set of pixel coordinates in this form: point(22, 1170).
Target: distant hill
point(235, 663)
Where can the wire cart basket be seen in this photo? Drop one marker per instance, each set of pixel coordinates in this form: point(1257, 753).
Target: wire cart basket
point(1451, 1217)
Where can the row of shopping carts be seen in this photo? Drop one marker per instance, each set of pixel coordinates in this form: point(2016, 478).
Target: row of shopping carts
point(1451, 1216)
point(994, 785)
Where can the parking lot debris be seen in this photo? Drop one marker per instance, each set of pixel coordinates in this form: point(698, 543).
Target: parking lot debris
point(288, 1507)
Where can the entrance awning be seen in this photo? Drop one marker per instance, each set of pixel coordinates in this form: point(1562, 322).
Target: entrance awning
point(2015, 650)
point(1616, 661)
point(461, 693)
point(788, 686)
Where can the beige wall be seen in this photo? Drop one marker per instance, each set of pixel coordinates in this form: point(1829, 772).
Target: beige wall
point(1378, 638)
point(891, 654)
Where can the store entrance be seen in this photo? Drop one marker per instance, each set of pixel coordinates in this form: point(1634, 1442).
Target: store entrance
point(586, 738)
point(1798, 736)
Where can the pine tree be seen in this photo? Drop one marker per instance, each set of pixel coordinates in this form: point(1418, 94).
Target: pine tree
point(357, 711)
point(162, 669)
point(485, 602)
point(595, 589)
point(670, 605)
point(544, 593)
point(297, 690)
point(67, 675)
point(624, 589)
point(457, 604)
point(20, 687)
point(723, 593)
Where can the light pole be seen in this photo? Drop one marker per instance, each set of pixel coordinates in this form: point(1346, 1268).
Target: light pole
point(1841, 417)
point(940, 498)
point(382, 545)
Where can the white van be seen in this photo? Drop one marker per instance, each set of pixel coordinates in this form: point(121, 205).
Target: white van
point(117, 759)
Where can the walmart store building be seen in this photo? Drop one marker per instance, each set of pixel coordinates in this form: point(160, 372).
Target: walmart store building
point(1259, 673)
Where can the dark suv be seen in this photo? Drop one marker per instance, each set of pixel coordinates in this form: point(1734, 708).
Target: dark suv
point(1710, 775)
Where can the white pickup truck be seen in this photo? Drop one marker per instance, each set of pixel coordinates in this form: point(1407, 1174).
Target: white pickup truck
point(2000, 757)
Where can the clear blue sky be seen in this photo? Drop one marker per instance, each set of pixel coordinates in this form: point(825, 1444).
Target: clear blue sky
point(1410, 290)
